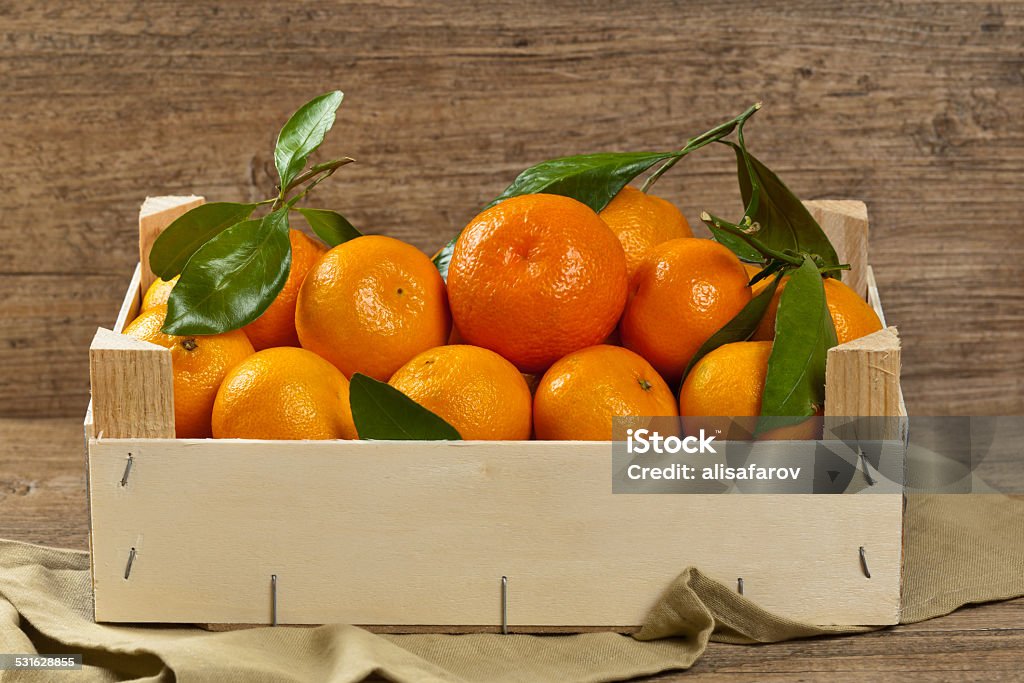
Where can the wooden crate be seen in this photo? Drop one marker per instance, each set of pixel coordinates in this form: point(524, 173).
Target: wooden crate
point(402, 535)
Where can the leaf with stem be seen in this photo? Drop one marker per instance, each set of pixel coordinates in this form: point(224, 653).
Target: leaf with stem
point(741, 241)
point(595, 179)
point(384, 413)
point(232, 279)
point(302, 134)
point(317, 174)
point(190, 231)
point(714, 135)
point(773, 213)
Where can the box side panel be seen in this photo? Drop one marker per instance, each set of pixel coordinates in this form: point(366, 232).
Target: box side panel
point(132, 301)
point(421, 533)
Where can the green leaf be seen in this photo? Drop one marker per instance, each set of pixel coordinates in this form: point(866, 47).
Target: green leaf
point(766, 272)
point(593, 179)
point(795, 384)
point(740, 328)
point(384, 413)
point(784, 222)
point(443, 258)
point(176, 244)
point(303, 133)
point(330, 226)
point(232, 279)
point(735, 244)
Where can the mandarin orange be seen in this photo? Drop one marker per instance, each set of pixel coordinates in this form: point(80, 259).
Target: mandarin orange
point(158, 293)
point(199, 364)
point(474, 389)
point(683, 292)
point(537, 277)
point(641, 221)
point(371, 304)
point(579, 395)
point(852, 316)
point(276, 326)
point(283, 393)
point(728, 384)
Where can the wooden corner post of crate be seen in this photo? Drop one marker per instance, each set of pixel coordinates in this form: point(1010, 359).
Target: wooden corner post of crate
point(132, 388)
point(862, 379)
point(132, 381)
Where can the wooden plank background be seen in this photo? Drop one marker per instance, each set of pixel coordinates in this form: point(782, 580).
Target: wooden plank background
point(913, 107)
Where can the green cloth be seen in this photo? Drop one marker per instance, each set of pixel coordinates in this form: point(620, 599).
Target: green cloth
point(960, 549)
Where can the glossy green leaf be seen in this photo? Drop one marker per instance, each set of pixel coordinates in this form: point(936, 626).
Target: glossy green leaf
point(740, 328)
point(795, 383)
point(766, 272)
point(303, 133)
point(232, 279)
point(593, 179)
point(784, 223)
point(384, 413)
point(330, 226)
point(176, 244)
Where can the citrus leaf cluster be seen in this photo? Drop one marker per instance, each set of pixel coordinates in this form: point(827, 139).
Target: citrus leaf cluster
point(232, 266)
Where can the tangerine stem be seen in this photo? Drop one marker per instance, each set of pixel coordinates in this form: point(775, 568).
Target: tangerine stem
point(757, 244)
point(693, 144)
point(329, 166)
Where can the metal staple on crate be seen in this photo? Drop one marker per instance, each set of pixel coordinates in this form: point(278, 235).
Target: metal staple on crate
point(504, 605)
point(127, 471)
point(739, 585)
point(131, 561)
point(864, 563)
point(273, 599)
point(867, 469)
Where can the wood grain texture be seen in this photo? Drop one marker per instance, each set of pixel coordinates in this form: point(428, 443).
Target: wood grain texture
point(862, 377)
point(42, 482)
point(912, 107)
point(132, 388)
point(42, 500)
point(435, 525)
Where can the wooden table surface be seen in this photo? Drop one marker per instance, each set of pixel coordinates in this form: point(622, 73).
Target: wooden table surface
point(911, 107)
point(42, 500)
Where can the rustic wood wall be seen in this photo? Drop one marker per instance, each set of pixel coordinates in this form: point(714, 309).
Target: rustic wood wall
point(915, 108)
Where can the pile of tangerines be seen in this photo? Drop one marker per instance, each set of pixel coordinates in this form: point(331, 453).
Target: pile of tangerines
point(554, 319)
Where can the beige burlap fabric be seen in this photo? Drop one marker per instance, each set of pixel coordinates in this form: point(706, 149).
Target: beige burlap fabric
point(959, 549)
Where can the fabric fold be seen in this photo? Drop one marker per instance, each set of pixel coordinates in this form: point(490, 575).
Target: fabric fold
point(959, 549)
